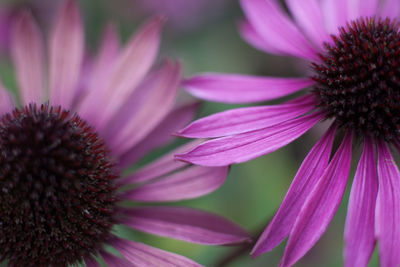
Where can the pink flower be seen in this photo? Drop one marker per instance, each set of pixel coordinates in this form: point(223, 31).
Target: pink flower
point(64, 152)
point(354, 51)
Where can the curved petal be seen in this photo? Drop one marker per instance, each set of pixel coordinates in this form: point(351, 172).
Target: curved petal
point(142, 255)
point(276, 28)
point(359, 230)
point(27, 52)
point(243, 147)
point(242, 120)
point(320, 206)
point(362, 8)
point(114, 261)
point(387, 218)
point(335, 14)
point(186, 224)
point(236, 88)
point(390, 8)
point(305, 180)
point(189, 183)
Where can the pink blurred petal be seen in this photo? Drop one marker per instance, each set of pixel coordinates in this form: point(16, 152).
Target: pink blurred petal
point(236, 88)
point(114, 261)
point(250, 35)
point(66, 54)
point(320, 206)
point(189, 183)
point(387, 218)
point(243, 147)
point(359, 230)
point(390, 8)
point(27, 52)
point(142, 255)
point(362, 8)
point(306, 178)
point(242, 120)
point(91, 262)
point(276, 28)
point(6, 100)
point(186, 224)
point(335, 14)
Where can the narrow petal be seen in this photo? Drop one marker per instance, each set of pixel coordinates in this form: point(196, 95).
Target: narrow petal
point(359, 230)
point(91, 262)
point(320, 206)
point(6, 100)
point(335, 14)
point(66, 54)
point(276, 28)
point(387, 208)
point(27, 53)
point(140, 254)
point(235, 88)
point(189, 183)
point(390, 8)
point(362, 8)
point(114, 261)
point(250, 35)
point(243, 120)
point(243, 147)
point(307, 176)
point(186, 224)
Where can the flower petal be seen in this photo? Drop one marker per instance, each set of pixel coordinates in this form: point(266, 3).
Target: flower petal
point(242, 120)
point(114, 261)
point(362, 8)
point(142, 255)
point(307, 176)
point(320, 206)
point(359, 230)
point(6, 100)
point(276, 28)
point(236, 88)
point(390, 8)
point(335, 14)
point(192, 182)
point(243, 147)
point(27, 52)
point(387, 218)
point(91, 262)
point(186, 224)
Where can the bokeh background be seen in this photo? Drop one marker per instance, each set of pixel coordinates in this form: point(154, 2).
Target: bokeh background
point(203, 35)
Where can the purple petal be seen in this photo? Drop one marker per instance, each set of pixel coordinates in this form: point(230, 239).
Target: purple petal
point(359, 230)
point(250, 35)
point(307, 176)
point(390, 8)
point(242, 120)
point(186, 224)
point(6, 100)
point(335, 14)
point(387, 218)
point(236, 88)
point(27, 53)
point(91, 262)
point(243, 147)
point(320, 206)
point(362, 8)
point(276, 28)
point(189, 183)
point(114, 261)
point(142, 255)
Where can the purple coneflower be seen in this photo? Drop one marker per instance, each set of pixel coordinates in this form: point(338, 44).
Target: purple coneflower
point(353, 47)
point(63, 152)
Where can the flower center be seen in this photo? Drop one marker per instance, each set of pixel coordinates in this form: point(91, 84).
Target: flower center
point(57, 199)
point(358, 81)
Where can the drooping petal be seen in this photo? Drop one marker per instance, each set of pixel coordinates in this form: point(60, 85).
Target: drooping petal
point(114, 261)
point(250, 35)
point(236, 88)
point(390, 8)
point(335, 14)
point(243, 147)
point(305, 180)
point(320, 206)
point(140, 254)
point(66, 54)
point(192, 182)
point(387, 218)
point(186, 224)
point(276, 28)
point(242, 120)
point(91, 262)
point(359, 230)
point(28, 56)
point(361, 8)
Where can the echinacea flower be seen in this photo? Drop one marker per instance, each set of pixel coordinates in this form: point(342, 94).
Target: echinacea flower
point(64, 149)
point(353, 49)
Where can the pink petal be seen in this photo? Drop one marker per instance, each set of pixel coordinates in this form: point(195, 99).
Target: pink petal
point(387, 218)
point(320, 206)
point(66, 54)
point(27, 53)
point(91, 262)
point(114, 261)
point(335, 14)
point(142, 255)
point(243, 147)
point(186, 224)
point(307, 176)
point(6, 100)
point(189, 183)
point(276, 28)
point(242, 120)
point(359, 231)
point(235, 88)
point(390, 8)
point(160, 135)
point(362, 8)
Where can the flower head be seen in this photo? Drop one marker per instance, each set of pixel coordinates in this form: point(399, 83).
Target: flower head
point(353, 51)
point(64, 151)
